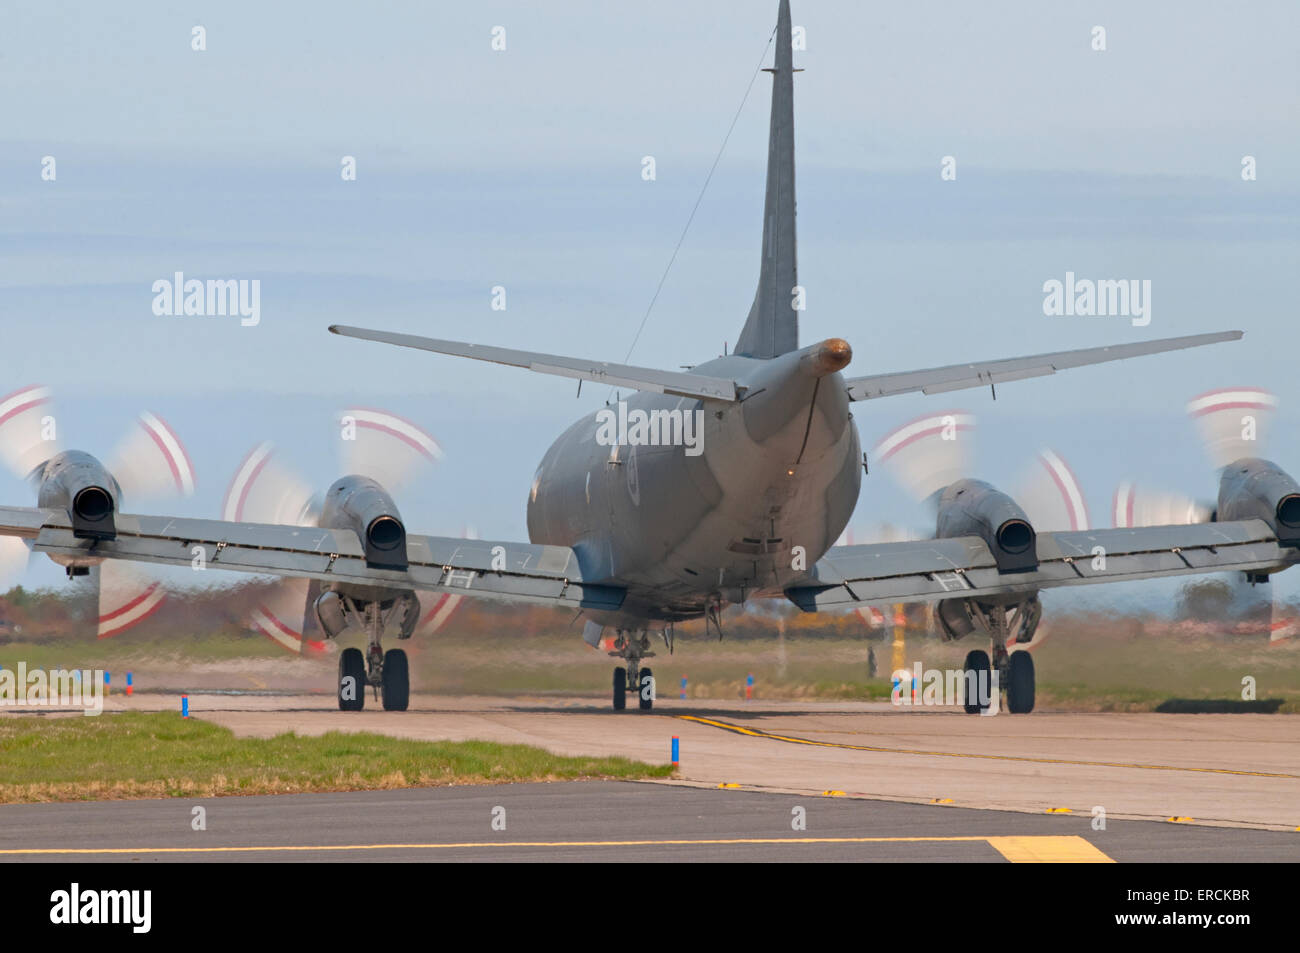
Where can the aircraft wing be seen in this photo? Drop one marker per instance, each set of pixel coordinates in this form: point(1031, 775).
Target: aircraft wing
point(619, 375)
point(528, 573)
point(938, 380)
point(930, 570)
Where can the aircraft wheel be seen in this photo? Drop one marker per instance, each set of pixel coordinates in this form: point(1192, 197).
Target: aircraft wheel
point(620, 688)
point(397, 680)
point(647, 681)
point(352, 680)
point(1020, 683)
point(977, 662)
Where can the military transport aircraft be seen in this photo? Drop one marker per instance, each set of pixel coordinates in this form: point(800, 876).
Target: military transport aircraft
point(706, 488)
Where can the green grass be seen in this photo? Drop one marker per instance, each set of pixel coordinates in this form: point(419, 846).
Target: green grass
point(115, 654)
point(133, 755)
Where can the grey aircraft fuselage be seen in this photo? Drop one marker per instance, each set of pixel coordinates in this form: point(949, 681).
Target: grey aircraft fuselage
point(778, 476)
point(778, 469)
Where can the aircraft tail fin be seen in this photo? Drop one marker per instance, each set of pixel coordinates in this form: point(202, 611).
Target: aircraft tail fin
point(773, 325)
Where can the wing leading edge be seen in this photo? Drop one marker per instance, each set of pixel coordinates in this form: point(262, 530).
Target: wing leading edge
point(963, 567)
point(495, 570)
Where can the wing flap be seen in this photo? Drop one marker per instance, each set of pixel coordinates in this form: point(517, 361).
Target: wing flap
point(24, 522)
point(903, 558)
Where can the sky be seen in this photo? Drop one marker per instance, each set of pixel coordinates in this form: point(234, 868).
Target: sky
point(522, 168)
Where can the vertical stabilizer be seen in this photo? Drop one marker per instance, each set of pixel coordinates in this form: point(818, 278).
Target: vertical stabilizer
point(773, 324)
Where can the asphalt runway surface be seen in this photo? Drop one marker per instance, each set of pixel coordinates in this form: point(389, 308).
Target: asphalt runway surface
point(876, 782)
point(595, 821)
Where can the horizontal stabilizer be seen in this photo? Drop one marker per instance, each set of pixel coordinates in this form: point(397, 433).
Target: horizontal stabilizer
point(938, 380)
point(617, 375)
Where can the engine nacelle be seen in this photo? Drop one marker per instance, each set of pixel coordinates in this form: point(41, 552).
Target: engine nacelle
point(1255, 489)
point(974, 508)
point(78, 483)
point(360, 504)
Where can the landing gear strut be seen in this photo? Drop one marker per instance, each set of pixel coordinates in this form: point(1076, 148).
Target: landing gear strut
point(386, 673)
point(1005, 626)
point(632, 648)
point(1015, 669)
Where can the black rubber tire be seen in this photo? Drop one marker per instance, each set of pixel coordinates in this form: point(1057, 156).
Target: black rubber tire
point(1020, 683)
point(977, 662)
point(645, 703)
point(620, 688)
point(397, 681)
point(352, 664)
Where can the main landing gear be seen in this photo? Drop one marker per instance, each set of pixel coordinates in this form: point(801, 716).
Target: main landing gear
point(1015, 670)
point(632, 648)
point(387, 673)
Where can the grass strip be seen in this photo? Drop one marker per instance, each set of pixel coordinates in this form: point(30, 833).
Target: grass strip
point(146, 755)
